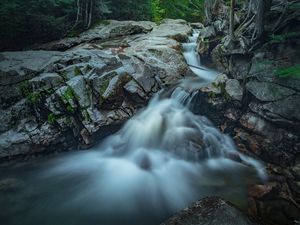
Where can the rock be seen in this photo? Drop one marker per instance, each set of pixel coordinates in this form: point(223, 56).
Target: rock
point(135, 92)
point(175, 29)
point(20, 66)
point(13, 143)
point(285, 112)
point(210, 211)
point(103, 77)
point(265, 91)
point(259, 191)
point(157, 57)
point(107, 30)
point(234, 89)
point(80, 90)
point(46, 81)
point(207, 32)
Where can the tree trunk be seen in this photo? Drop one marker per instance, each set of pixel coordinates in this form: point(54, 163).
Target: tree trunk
point(208, 4)
point(90, 14)
point(231, 25)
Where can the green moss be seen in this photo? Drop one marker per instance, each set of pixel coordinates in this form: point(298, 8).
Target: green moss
point(34, 97)
point(70, 109)
point(222, 87)
point(77, 71)
point(24, 87)
point(68, 94)
point(64, 75)
point(51, 118)
point(292, 71)
point(280, 38)
point(86, 116)
point(104, 86)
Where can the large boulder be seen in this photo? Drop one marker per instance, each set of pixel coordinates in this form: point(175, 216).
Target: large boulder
point(210, 211)
point(176, 29)
point(266, 91)
point(106, 30)
point(85, 92)
point(284, 112)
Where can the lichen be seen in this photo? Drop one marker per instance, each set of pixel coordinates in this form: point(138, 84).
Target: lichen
point(51, 118)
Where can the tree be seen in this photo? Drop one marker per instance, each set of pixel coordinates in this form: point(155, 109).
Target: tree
point(231, 26)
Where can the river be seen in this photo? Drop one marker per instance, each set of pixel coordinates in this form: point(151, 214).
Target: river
point(163, 159)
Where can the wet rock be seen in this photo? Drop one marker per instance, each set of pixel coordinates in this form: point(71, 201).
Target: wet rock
point(265, 91)
point(80, 90)
point(234, 89)
point(161, 58)
point(109, 29)
point(20, 66)
point(46, 81)
point(175, 29)
point(285, 112)
point(210, 211)
point(135, 92)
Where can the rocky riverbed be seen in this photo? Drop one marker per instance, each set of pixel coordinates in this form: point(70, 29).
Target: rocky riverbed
point(69, 94)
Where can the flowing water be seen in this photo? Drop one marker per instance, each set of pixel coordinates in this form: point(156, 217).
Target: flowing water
point(163, 159)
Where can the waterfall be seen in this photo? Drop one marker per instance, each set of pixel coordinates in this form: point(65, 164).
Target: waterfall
point(163, 159)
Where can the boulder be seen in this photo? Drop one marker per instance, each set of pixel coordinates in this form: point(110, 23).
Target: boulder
point(234, 89)
point(210, 211)
point(103, 31)
point(266, 91)
point(175, 29)
point(16, 67)
point(285, 112)
point(80, 90)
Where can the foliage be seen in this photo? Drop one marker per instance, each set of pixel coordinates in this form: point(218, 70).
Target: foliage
point(190, 10)
point(26, 22)
point(292, 71)
point(34, 97)
point(51, 118)
point(280, 38)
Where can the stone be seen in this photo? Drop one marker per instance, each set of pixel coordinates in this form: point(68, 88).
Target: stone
point(210, 211)
point(46, 81)
point(19, 66)
point(79, 88)
point(234, 89)
point(175, 29)
point(265, 91)
point(285, 112)
point(135, 92)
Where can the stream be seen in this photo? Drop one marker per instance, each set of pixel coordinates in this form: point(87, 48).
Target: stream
point(163, 159)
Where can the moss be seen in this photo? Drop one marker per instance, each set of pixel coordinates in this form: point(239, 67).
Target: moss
point(64, 75)
point(24, 87)
point(51, 118)
point(70, 109)
point(68, 94)
point(86, 116)
point(77, 71)
point(292, 71)
point(34, 97)
point(280, 38)
point(103, 86)
point(222, 87)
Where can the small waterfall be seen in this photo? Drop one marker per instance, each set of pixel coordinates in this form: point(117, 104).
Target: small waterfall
point(164, 158)
point(193, 59)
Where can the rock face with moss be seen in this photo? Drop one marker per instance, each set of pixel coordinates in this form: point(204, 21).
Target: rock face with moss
point(55, 101)
point(210, 211)
point(257, 102)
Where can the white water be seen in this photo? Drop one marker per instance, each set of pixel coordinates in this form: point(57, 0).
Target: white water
point(193, 59)
point(163, 159)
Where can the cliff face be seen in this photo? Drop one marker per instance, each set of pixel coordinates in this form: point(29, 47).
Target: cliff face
point(257, 100)
point(70, 93)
